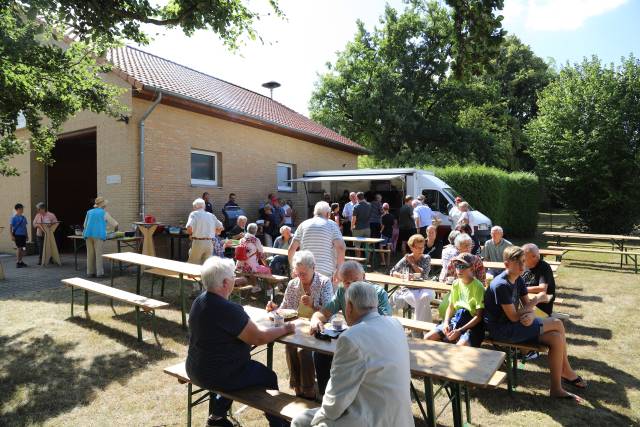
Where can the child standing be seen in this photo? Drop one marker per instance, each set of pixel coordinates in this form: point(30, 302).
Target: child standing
point(463, 323)
point(18, 228)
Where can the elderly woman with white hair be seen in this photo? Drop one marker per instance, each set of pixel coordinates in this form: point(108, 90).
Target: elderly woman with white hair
point(306, 294)
point(221, 335)
point(280, 263)
point(464, 244)
point(249, 253)
point(449, 252)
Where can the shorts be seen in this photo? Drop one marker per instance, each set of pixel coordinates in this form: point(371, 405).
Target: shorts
point(386, 240)
point(461, 318)
point(405, 233)
point(21, 241)
point(516, 332)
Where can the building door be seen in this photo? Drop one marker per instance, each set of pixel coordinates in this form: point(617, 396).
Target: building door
point(71, 182)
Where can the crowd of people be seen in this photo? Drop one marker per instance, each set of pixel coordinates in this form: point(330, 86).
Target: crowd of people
point(511, 304)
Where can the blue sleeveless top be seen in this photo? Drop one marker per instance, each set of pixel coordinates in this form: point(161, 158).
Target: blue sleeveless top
point(95, 224)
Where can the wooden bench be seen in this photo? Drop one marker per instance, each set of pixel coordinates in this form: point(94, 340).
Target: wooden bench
point(272, 402)
point(552, 252)
point(159, 273)
point(146, 304)
point(512, 350)
point(355, 258)
point(623, 254)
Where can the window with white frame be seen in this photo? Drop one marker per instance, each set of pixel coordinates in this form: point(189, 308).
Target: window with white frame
point(204, 167)
point(285, 173)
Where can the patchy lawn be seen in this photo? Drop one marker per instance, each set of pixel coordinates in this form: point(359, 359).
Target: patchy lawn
point(90, 370)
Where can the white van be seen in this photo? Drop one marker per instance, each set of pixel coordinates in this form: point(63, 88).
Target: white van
point(393, 185)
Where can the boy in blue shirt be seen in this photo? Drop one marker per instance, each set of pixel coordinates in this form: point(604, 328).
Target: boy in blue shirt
point(18, 229)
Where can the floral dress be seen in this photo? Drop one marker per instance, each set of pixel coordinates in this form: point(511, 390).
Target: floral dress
point(419, 299)
point(321, 292)
point(255, 252)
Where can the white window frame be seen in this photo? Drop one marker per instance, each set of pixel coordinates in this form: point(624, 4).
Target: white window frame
point(205, 182)
point(288, 187)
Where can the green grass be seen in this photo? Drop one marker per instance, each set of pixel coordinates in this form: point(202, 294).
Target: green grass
point(59, 371)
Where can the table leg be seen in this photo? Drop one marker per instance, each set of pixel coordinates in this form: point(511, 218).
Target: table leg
point(75, 253)
point(86, 301)
point(467, 403)
point(456, 405)
point(111, 272)
point(119, 250)
point(270, 355)
point(429, 401)
point(189, 393)
point(138, 326)
point(415, 395)
point(183, 302)
point(138, 278)
point(171, 239)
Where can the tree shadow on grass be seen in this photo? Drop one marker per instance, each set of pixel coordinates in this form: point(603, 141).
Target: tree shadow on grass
point(588, 331)
point(41, 379)
point(599, 395)
point(166, 328)
point(578, 297)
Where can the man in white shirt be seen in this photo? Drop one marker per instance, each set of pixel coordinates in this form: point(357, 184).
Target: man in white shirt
point(322, 237)
point(201, 227)
point(423, 215)
point(347, 213)
point(364, 373)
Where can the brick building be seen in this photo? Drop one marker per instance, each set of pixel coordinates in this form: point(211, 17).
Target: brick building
point(200, 134)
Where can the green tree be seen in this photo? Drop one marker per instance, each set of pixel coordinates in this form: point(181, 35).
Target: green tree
point(586, 141)
point(390, 90)
point(51, 50)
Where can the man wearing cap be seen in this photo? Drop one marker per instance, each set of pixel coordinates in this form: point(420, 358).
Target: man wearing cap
point(201, 227)
point(95, 233)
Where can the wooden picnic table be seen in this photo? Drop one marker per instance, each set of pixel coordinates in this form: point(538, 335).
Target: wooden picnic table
point(457, 366)
point(437, 262)
point(388, 280)
point(140, 260)
point(369, 245)
point(121, 242)
point(275, 251)
point(616, 240)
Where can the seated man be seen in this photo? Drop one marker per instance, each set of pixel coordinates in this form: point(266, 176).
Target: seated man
point(433, 245)
point(509, 317)
point(370, 367)
point(538, 276)
point(220, 337)
point(350, 271)
point(462, 322)
point(493, 248)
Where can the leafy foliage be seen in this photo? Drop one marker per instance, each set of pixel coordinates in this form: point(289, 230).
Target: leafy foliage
point(392, 90)
point(51, 50)
point(511, 200)
point(586, 142)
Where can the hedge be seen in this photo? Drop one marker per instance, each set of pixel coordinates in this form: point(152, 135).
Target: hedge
point(511, 200)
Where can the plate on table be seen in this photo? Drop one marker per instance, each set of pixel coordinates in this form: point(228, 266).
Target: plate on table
point(329, 327)
point(287, 313)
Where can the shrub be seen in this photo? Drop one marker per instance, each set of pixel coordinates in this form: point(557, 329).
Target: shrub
point(511, 200)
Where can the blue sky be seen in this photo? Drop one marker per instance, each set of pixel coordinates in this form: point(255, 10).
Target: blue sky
point(298, 47)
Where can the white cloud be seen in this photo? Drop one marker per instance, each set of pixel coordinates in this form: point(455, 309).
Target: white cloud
point(554, 15)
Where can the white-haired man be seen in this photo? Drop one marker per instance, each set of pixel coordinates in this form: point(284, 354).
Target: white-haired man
point(538, 276)
point(347, 213)
point(494, 248)
point(323, 239)
point(238, 230)
point(201, 227)
point(365, 373)
point(220, 338)
point(350, 272)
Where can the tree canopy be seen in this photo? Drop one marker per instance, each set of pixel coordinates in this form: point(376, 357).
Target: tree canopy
point(396, 90)
point(51, 50)
point(586, 142)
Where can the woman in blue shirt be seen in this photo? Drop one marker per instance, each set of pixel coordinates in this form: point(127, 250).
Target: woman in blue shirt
point(95, 233)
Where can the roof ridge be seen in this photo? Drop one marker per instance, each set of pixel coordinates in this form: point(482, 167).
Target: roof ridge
point(208, 75)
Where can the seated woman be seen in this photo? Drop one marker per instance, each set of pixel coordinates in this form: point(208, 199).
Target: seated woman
point(466, 229)
point(280, 263)
point(307, 293)
point(220, 338)
point(449, 252)
point(250, 254)
point(462, 322)
point(464, 243)
point(220, 245)
point(509, 317)
point(415, 264)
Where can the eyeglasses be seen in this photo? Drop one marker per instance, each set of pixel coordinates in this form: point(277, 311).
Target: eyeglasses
point(462, 266)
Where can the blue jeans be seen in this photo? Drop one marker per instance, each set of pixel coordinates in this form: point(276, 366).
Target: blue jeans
point(254, 374)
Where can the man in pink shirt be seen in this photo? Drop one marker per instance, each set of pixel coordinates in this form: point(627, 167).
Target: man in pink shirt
point(43, 216)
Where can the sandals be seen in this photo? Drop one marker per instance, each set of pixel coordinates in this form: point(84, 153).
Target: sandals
point(578, 382)
point(570, 396)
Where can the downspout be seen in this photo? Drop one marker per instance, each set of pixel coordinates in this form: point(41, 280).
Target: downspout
point(141, 125)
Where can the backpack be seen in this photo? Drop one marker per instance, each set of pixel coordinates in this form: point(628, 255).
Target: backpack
point(242, 252)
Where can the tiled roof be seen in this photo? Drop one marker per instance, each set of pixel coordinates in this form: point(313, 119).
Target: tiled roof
point(154, 72)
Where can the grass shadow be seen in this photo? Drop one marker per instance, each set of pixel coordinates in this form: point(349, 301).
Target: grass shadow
point(166, 328)
point(43, 378)
point(588, 331)
point(590, 298)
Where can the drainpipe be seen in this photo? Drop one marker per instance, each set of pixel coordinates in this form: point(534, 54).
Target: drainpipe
point(141, 125)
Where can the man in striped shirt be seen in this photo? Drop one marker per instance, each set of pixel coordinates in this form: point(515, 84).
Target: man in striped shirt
point(323, 239)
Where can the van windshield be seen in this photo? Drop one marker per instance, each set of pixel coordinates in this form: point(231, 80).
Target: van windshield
point(453, 194)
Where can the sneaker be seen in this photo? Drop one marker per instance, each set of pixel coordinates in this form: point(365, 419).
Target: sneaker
point(22, 264)
point(220, 422)
point(532, 355)
point(19, 265)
